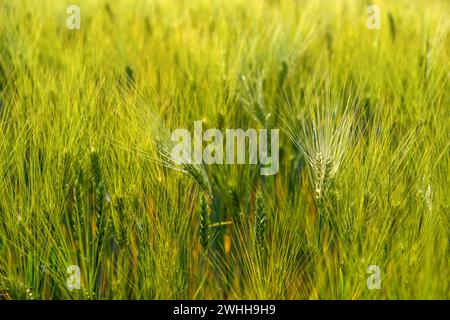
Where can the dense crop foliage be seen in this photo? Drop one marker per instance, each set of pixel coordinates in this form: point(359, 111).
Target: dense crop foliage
point(86, 177)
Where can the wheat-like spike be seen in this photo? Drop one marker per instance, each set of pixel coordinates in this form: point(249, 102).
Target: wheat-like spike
point(198, 174)
point(260, 221)
point(205, 234)
point(236, 206)
point(323, 138)
point(220, 121)
point(99, 191)
point(319, 175)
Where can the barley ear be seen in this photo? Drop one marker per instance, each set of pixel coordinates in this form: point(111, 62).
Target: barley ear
point(205, 234)
point(198, 174)
point(99, 192)
point(260, 221)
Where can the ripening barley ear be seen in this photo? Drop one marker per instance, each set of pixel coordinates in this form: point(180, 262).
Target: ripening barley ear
point(318, 175)
point(392, 28)
point(205, 232)
point(260, 222)
point(253, 101)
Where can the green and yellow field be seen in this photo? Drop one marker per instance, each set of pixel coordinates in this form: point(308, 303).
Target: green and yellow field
point(364, 168)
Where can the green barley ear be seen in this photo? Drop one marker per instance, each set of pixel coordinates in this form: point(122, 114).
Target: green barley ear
point(392, 28)
point(197, 172)
point(260, 221)
point(236, 206)
point(328, 178)
point(283, 73)
point(199, 175)
point(220, 121)
point(319, 175)
point(205, 234)
point(79, 194)
point(98, 191)
point(121, 224)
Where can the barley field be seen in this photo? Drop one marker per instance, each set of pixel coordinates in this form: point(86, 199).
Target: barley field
point(93, 206)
